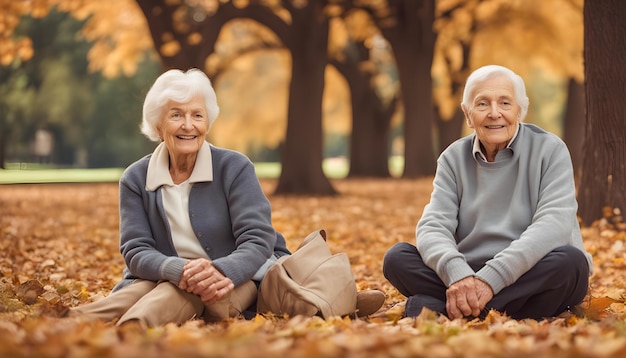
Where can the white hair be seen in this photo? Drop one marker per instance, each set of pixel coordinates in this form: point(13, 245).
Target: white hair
point(486, 72)
point(177, 86)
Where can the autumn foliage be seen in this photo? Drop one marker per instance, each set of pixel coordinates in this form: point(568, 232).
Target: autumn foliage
point(59, 249)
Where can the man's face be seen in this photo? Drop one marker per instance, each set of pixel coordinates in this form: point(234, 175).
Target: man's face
point(493, 112)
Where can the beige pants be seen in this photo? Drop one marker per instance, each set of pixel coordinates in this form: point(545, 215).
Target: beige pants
point(155, 304)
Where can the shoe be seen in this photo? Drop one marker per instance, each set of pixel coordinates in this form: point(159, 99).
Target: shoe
point(368, 302)
point(416, 303)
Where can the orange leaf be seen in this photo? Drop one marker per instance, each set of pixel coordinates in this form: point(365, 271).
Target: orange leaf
point(599, 307)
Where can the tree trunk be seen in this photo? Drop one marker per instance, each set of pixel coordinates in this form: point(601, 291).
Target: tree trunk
point(603, 181)
point(3, 141)
point(450, 130)
point(413, 42)
point(302, 153)
point(369, 142)
point(574, 123)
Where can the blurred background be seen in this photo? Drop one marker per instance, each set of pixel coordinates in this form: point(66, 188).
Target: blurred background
point(372, 87)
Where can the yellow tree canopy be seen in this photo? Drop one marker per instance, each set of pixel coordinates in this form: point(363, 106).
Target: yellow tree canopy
point(117, 29)
point(524, 35)
point(532, 37)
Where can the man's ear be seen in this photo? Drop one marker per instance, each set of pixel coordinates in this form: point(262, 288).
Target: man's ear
point(468, 119)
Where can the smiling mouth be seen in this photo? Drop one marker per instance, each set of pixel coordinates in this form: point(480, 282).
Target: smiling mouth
point(494, 127)
point(186, 137)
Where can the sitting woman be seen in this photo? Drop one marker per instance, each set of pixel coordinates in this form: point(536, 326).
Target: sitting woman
point(195, 225)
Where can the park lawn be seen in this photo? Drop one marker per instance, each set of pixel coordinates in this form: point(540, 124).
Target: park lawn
point(30, 176)
point(27, 173)
point(59, 247)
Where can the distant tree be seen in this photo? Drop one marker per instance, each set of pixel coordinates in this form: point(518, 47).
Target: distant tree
point(305, 35)
point(408, 27)
point(114, 138)
point(604, 158)
point(49, 91)
point(371, 111)
point(371, 119)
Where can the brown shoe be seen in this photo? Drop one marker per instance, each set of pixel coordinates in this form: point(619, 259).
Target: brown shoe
point(368, 302)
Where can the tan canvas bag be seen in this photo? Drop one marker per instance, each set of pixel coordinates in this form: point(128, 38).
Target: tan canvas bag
point(311, 281)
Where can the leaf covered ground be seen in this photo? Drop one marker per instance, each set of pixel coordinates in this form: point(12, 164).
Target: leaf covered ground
point(59, 249)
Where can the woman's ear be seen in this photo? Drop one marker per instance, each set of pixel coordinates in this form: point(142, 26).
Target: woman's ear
point(159, 131)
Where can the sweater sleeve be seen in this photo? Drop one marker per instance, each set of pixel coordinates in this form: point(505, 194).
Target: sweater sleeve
point(436, 229)
point(144, 256)
point(552, 223)
point(250, 214)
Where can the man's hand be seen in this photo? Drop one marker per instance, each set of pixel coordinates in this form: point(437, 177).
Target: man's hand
point(467, 297)
point(205, 280)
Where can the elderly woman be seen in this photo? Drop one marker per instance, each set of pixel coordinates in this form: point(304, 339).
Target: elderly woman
point(500, 231)
point(195, 225)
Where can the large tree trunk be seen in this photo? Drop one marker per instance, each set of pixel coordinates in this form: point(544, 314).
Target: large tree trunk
point(413, 43)
point(574, 123)
point(302, 153)
point(603, 181)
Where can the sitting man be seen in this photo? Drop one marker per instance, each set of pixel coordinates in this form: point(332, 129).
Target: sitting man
point(500, 231)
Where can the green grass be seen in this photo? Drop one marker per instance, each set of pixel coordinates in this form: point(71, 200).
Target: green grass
point(28, 176)
point(27, 173)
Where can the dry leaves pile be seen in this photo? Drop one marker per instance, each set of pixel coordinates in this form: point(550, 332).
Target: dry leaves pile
point(59, 249)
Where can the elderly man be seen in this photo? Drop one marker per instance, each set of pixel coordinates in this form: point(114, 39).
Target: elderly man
point(500, 231)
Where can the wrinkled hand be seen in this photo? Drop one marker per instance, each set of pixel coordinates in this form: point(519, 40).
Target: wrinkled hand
point(205, 280)
point(467, 297)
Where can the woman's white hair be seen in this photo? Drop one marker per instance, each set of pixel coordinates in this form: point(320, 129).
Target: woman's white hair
point(486, 72)
point(177, 86)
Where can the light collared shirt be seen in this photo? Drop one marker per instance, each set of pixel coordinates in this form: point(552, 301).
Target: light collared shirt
point(176, 197)
point(478, 152)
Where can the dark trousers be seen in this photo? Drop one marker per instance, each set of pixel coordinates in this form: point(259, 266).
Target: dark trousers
point(556, 282)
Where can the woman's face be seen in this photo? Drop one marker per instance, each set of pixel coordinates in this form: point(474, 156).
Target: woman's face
point(184, 127)
point(493, 112)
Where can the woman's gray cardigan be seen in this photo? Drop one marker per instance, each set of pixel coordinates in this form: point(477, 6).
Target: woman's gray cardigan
point(230, 215)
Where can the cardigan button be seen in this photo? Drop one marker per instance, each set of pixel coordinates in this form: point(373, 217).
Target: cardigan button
point(199, 233)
